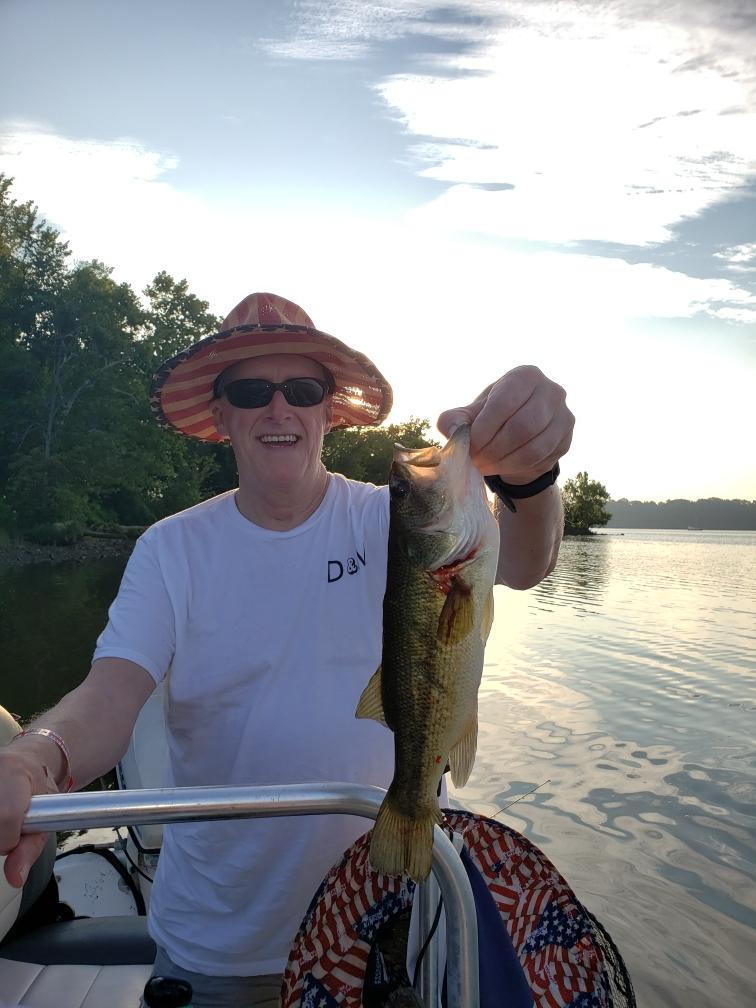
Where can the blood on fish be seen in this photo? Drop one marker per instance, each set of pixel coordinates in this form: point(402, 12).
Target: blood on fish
point(445, 578)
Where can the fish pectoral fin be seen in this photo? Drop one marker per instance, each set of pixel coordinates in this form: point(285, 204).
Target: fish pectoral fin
point(462, 756)
point(457, 617)
point(371, 701)
point(488, 617)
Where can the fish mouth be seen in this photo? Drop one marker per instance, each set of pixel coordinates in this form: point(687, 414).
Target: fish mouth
point(463, 509)
point(458, 446)
point(420, 466)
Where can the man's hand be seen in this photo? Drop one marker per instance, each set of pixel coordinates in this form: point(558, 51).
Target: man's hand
point(520, 425)
point(22, 775)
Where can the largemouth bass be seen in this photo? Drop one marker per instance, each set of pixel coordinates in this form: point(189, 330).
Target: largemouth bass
point(437, 612)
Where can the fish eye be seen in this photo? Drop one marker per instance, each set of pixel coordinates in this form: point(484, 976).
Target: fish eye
point(399, 487)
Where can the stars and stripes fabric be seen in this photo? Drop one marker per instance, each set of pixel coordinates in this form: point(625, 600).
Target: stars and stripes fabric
point(330, 954)
point(261, 324)
point(554, 937)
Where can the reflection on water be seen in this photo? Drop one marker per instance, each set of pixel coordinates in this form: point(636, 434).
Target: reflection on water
point(587, 568)
point(621, 690)
point(50, 617)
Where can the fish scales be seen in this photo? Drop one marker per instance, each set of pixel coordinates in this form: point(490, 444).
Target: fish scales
point(442, 555)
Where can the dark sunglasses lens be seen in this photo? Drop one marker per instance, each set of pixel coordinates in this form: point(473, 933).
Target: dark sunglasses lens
point(249, 393)
point(303, 391)
point(254, 393)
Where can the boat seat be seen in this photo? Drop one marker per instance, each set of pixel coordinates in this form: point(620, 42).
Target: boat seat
point(89, 962)
point(31, 985)
point(93, 962)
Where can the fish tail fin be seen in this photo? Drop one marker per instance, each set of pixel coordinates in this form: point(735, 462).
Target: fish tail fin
point(401, 842)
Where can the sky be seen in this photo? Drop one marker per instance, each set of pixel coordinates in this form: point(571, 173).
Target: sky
point(452, 188)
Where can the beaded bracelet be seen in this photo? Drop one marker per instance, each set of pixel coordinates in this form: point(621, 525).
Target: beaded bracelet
point(54, 737)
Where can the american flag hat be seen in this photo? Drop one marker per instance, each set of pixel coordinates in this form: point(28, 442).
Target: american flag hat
point(261, 324)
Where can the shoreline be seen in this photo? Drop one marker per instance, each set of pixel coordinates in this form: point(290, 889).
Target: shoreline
point(21, 553)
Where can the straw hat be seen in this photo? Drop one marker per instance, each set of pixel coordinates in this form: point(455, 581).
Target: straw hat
point(182, 388)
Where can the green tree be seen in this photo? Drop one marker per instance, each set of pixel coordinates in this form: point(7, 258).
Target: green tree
point(365, 453)
point(32, 272)
point(176, 318)
point(77, 351)
point(81, 352)
point(185, 471)
point(584, 501)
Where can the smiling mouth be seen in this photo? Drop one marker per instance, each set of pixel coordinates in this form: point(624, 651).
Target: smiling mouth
point(278, 440)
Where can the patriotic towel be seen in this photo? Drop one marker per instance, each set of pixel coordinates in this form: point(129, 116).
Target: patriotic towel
point(553, 936)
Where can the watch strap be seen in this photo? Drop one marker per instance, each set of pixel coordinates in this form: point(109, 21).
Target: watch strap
point(510, 492)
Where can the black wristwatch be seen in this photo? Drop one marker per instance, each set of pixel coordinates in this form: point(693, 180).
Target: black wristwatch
point(509, 492)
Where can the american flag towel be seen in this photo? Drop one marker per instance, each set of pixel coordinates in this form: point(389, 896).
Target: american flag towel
point(554, 937)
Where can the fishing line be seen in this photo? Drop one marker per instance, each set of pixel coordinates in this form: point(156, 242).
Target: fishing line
point(427, 941)
point(532, 791)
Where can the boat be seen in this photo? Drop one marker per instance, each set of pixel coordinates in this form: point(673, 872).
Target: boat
point(76, 935)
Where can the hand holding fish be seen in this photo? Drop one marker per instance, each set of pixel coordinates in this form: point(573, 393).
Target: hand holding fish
point(520, 425)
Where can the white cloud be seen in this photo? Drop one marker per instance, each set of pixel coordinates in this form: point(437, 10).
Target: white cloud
point(739, 258)
point(110, 200)
point(115, 201)
point(606, 129)
point(612, 120)
point(351, 29)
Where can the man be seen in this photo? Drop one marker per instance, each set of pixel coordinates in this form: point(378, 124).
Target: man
point(261, 611)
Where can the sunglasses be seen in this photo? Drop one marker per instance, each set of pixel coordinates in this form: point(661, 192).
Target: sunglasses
point(254, 393)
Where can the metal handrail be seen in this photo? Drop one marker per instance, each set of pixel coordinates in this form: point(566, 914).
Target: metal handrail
point(87, 809)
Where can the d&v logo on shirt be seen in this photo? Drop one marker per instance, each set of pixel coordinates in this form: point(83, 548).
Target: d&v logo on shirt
point(338, 568)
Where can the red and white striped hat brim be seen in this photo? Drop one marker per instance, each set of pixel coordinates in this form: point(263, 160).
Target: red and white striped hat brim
point(182, 388)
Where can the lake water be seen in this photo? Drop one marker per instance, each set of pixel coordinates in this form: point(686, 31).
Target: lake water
point(623, 688)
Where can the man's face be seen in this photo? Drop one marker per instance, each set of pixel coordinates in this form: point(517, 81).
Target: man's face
point(255, 433)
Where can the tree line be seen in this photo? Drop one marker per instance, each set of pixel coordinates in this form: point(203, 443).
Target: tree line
point(709, 513)
point(79, 447)
point(587, 505)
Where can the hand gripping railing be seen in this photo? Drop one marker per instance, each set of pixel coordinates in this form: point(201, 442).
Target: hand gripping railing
point(162, 805)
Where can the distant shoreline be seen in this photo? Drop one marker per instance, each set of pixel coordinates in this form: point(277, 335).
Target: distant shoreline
point(712, 514)
point(22, 553)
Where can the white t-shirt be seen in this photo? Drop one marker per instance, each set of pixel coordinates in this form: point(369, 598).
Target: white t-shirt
point(266, 641)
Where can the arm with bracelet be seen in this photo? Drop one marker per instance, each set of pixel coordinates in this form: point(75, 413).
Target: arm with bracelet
point(76, 741)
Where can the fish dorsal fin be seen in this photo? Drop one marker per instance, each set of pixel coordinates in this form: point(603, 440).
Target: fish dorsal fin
point(488, 617)
point(458, 614)
point(371, 701)
point(462, 756)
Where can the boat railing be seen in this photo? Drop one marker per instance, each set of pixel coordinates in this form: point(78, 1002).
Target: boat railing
point(90, 809)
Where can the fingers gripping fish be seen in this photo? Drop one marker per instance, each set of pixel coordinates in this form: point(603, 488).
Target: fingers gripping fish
point(437, 613)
